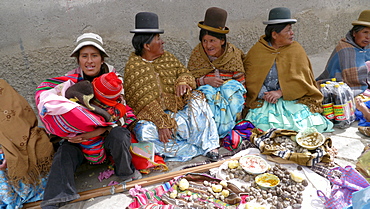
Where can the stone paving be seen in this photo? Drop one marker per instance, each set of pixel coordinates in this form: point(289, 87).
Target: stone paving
point(350, 143)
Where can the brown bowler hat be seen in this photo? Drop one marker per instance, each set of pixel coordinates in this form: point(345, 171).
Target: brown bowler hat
point(215, 20)
point(363, 19)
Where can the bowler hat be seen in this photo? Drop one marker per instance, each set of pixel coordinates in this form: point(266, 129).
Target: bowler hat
point(363, 19)
point(88, 39)
point(215, 20)
point(279, 15)
point(146, 22)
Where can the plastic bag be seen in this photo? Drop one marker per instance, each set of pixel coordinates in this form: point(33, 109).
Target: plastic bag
point(343, 188)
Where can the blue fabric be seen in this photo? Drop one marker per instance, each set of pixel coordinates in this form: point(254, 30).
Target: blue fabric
point(360, 116)
point(11, 197)
point(225, 102)
point(361, 199)
point(288, 115)
point(196, 133)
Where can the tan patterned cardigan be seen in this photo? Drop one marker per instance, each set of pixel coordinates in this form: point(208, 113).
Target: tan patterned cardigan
point(150, 87)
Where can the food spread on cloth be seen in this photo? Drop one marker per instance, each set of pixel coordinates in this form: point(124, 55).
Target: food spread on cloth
point(249, 182)
point(291, 186)
point(195, 190)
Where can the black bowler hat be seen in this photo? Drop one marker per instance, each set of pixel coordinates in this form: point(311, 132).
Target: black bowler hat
point(279, 15)
point(146, 22)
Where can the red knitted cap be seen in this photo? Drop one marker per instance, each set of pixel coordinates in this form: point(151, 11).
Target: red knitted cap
point(107, 88)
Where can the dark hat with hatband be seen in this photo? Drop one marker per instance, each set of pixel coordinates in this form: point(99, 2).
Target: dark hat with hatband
point(146, 22)
point(279, 15)
point(215, 20)
point(363, 19)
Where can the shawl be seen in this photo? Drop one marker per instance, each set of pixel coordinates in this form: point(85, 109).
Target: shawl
point(27, 147)
point(150, 87)
point(294, 72)
point(59, 114)
point(347, 64)
point(231, 60)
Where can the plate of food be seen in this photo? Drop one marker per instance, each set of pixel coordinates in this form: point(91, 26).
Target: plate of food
point(267, 181)
point(254, 164)
point(310, 139)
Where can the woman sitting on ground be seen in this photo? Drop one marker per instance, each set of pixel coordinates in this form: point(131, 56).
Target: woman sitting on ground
point(159, 89)
point(218, 68)
point(282, 92)
point(79, 125)
point(347, 62)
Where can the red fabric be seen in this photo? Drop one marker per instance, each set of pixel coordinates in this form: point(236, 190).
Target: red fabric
point(144, 165)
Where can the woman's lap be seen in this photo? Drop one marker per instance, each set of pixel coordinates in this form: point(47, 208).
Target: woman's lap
point(225, 102)
point(287, 115)
point(196, 133)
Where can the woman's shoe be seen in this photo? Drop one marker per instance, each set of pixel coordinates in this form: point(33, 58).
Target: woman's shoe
point(213, 156)
point(135, 176)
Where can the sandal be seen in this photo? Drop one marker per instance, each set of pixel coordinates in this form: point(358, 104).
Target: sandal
point(213, 156)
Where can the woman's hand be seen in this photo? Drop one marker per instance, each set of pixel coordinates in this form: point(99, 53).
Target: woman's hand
point(182, 89)
point(85, 136)
point(165, 134)
point(272, 96)
point(213, 81)
point(361, 106)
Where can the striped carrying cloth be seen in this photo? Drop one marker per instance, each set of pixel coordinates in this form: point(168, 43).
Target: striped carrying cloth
point(59, 115)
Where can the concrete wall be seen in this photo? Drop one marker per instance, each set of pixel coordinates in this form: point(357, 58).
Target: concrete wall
point(37, 36)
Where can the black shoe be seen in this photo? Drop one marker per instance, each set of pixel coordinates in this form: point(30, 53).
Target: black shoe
point(213, 156)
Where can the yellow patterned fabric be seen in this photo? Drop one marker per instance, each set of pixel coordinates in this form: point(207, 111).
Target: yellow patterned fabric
point(231, 60)
point(150, 87)
point(294, 71)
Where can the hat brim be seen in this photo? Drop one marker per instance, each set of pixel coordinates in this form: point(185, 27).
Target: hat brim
point(147, 31)
point(363, 23)
point(278, 21)
point(88, 43)
point(216, 30)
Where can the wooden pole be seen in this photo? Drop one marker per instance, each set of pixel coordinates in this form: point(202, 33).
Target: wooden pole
point(103, 191)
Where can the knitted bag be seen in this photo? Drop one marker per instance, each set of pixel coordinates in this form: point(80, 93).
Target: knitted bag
point(343, 187)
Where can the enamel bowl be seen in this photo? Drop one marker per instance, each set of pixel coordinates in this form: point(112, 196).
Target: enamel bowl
point(310, 140)
point(267, 180)
point(253, 164)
